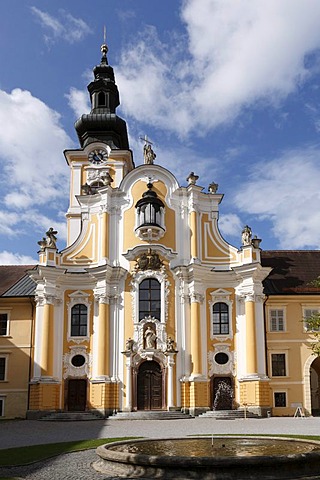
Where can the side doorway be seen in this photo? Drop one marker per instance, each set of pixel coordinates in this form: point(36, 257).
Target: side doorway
point(150, 386)
point(221, 393)
point(76, 395)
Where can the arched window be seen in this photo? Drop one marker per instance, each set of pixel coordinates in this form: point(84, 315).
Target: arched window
point(101, 99)
point(150, 299)
point(79, 320)
point(220, 319)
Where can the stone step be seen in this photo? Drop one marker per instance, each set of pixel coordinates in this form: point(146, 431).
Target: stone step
point(227, 414)
point(71, 416)
point(151, 415)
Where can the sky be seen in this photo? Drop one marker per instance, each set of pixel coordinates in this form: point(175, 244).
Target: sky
point(228, 89)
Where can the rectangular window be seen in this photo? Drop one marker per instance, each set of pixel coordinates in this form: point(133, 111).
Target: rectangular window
point(276, 320)
point(4, 324)
point(310, 312)
point(278, 364)
point(1, 406)
point(2, 368)
point(280, 399)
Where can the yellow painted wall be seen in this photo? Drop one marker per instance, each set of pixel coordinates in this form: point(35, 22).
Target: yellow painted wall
point(294, 342)
point(130, 239)
point(17, 348)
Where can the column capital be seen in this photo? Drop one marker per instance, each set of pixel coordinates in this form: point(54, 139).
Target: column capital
point(196, 297)
point(102, 298)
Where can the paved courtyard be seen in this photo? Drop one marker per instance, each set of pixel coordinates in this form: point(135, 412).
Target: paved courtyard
point(75, 466)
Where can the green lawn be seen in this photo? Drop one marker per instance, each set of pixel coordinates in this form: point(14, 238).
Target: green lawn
point(34, 453)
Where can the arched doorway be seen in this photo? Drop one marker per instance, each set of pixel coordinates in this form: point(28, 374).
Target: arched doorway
point(221, 393)
point(76, 395)
point(149, 386)
point(315, 386)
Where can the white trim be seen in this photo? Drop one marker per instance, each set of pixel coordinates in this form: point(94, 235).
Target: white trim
point(162, 278)
point(285, 391)
point(6, 358)
point(7, 312)
point(221, 296)
point(279, 352)
point(277, 308)
point(76, 298)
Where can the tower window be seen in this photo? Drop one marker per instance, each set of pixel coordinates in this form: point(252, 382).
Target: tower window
point(149, 299)
point(102, 99)
point(220, 319)
point(79, 320)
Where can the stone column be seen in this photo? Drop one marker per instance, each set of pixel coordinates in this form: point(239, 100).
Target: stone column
point(251, 346)
point(103, 364)
point(128, 404)
point(104, 235)
point(170, 391)
point(47, 338)
point(196, 353)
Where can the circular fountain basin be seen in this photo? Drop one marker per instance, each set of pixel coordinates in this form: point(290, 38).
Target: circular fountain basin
point(241, 458)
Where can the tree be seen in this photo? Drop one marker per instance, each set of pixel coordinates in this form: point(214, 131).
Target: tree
point(313, 327)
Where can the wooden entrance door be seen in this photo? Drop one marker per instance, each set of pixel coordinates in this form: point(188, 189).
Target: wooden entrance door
point(149, 386)
point(222, 393)
point(77, 395)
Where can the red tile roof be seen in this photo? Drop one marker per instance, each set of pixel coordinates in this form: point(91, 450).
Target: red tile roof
point(293, 271)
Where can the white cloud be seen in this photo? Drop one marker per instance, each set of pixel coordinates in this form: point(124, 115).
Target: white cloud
point(230, 224)
point(9, 258)
point(286, 192)
point(240, 53)
point(78, 101)
point(67, 27)
point(31, 145)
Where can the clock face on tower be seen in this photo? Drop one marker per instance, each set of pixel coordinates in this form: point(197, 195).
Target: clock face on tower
point(98, 156)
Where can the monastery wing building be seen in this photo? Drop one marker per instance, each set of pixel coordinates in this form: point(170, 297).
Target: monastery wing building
point(148, 308)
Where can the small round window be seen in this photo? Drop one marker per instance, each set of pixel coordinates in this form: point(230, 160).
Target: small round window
point(221, 358)
point(78, 360)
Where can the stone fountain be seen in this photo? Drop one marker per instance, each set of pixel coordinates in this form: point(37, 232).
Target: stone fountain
point(241, 458)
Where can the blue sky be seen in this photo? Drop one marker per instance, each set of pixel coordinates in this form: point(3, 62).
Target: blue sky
point(227, 89)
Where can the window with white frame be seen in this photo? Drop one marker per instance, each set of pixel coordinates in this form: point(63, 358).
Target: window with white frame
point(220, 307)
point(278, 365)
point(150, 298)
point(78, 316)
point(4, 324)
point(280, 399)
point(79, 320)
point(276, 320)
point(308, 313)
point(3, 369)
point(2, 403)
point(220, 319)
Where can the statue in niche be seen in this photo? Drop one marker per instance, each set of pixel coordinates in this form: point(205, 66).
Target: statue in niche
point(150, 338)
point(148, 154)
point(50, 240)
point(246, 235)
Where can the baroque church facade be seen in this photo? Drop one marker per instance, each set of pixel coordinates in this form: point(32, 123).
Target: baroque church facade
point(148, 307)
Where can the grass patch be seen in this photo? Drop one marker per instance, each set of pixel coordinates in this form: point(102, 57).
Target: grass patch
point(34, 453)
